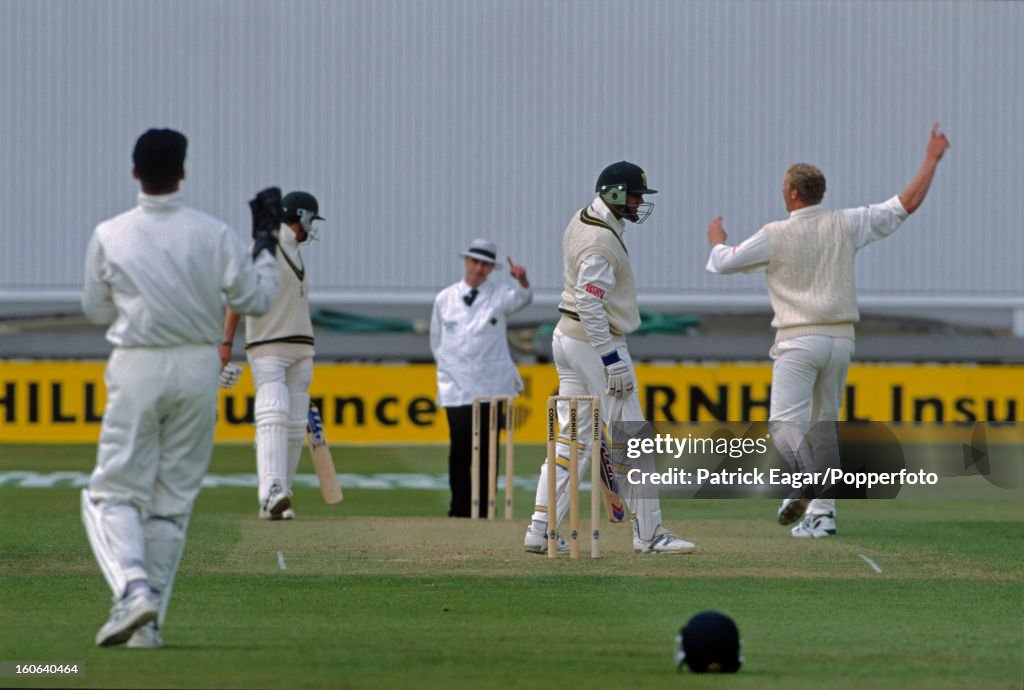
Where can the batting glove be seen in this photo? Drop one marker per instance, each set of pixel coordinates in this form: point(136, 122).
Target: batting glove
point(619, 375)
point(229, 375)
point(266, 217)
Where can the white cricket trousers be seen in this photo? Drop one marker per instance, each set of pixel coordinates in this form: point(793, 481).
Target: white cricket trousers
point(581, 372)
point(157, 433)
point(154, 450)
point(808, 382)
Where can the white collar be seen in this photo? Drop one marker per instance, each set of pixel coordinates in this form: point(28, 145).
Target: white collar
point(157, 202)
point(805, 211)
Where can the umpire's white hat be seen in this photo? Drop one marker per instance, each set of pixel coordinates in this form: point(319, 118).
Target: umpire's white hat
point(482, 250)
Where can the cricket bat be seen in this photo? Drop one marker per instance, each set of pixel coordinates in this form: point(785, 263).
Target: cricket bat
point(330, 488)
point(614, 506)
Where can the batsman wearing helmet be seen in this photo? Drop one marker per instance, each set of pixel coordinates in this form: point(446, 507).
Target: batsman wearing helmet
point(808, 260)
point(279, 347)
point(159, 275)
point(599, 308)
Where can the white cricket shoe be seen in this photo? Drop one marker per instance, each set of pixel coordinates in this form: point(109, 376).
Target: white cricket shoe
point(146, 637)
point(537, 541)
point(792, 509)
point(816, 526)
point(285, 515)
point(663, 541)
point(276, 503)
point(128, 615)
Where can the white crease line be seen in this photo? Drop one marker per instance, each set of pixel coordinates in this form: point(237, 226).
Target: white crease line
point(280, 560)
point(874, 566)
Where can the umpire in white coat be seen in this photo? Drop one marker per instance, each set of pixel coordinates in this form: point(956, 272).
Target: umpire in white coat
point(160, 275)
point(468, 337)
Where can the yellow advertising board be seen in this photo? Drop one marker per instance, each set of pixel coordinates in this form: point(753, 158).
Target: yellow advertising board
point(62, 401)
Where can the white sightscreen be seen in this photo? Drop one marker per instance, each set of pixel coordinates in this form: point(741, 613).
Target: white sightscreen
point(421, 125)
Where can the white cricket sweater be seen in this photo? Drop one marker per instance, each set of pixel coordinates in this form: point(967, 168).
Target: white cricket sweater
point(588, 234)
point(810, 276)
point(287, 321)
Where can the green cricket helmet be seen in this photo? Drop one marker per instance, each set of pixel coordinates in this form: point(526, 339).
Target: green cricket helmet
point(621, 179)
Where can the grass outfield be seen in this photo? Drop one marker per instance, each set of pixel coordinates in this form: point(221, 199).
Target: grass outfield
point(380, 592)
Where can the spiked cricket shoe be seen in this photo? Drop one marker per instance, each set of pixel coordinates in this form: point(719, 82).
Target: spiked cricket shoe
point(277, 502)
point(146, 637)
point(663, 541)
point(537, 541)
point(128, 615)
point(815, 526)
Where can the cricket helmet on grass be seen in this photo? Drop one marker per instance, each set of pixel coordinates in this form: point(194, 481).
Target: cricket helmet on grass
point(709, 643)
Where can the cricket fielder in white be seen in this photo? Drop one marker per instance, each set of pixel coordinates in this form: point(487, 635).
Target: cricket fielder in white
point(808, 262)
point(599, 308)
point(159, 274)
point(469, 341)
point(279, 347)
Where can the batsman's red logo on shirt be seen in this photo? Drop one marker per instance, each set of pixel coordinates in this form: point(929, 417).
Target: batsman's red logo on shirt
point(595, 291)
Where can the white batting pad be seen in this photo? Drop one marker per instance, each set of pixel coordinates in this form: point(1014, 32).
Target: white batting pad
point(561, 481)
point(272, 403)
point(116, 536)
point(296, 433)
point(298, 407)
point(294, 456)
point(272, 419)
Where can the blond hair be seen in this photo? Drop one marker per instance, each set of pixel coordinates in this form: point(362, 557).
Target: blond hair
point(808, 181)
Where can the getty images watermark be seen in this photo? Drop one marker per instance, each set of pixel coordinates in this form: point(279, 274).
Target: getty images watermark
point(840, 460)
point(675, 447)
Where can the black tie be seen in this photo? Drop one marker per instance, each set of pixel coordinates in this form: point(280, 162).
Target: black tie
point(468, 299)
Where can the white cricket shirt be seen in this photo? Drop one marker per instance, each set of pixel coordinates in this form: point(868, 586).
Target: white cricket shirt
point(161, 273)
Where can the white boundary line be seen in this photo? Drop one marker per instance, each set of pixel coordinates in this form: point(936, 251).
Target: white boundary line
point(22, 479)
point(874, 566)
